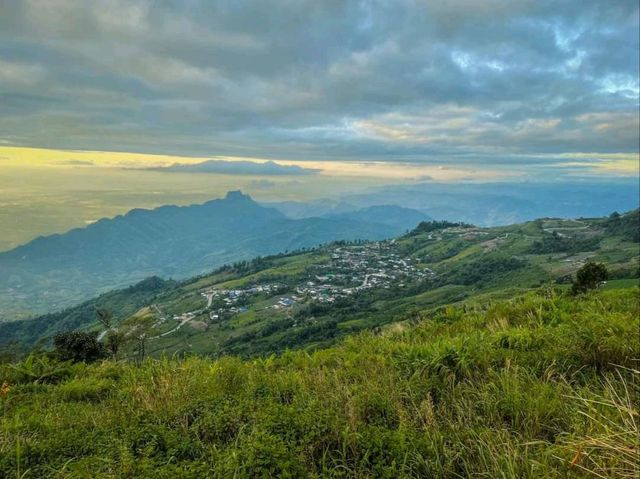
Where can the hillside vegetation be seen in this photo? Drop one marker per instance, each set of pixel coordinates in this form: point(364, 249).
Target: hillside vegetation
point(543, 385)
point(311, 299)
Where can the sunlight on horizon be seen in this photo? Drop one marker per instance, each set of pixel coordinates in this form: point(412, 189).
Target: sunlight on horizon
point(43, 157)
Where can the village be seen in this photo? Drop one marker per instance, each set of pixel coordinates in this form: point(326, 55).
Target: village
point(349, 270)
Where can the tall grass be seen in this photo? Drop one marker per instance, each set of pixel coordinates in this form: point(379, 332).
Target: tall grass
point(612, 447)
point(539, 386)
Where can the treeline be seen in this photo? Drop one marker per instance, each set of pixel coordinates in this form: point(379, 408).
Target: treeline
point(430, 226)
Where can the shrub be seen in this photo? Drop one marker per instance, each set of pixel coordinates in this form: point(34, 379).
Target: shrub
point(79, 346)
point(590, 276)
point(40, 369)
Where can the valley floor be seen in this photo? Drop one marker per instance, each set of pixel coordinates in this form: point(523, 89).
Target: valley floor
point(540, 385)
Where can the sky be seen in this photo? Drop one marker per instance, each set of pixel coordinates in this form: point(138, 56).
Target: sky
point(513, 85)
point(104, 103)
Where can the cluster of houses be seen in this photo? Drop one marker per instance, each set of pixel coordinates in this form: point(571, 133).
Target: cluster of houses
point(231, 297)
point(286, 302)
point(356, 268)
point(350, 269)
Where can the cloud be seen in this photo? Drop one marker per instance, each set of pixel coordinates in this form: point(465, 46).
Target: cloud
point(404, 80)
point(79, 163)
point(267, 168)
point(20, 74)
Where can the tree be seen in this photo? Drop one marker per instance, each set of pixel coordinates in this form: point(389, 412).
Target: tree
point(142, 340)
point(105, 317)
point(79, 346)
point(113, 338)
point(590, 276)
point(114, 341)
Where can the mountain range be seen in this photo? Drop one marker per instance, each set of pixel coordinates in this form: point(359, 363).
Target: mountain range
point(484, 204)
point(57, 271)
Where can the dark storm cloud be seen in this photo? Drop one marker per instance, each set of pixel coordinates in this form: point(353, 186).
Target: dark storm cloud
point(331, 80)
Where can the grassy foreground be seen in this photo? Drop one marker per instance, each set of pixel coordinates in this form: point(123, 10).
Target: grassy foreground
point(543, 385)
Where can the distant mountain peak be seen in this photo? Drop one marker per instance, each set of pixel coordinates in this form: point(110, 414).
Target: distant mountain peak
point(236, 195)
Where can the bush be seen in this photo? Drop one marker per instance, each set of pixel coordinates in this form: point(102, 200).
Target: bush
point(590, 276)
point(38, 369)
point(79, 346)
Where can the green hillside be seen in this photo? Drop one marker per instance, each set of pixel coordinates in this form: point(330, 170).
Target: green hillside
point(310, 299)
point(543, 385)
